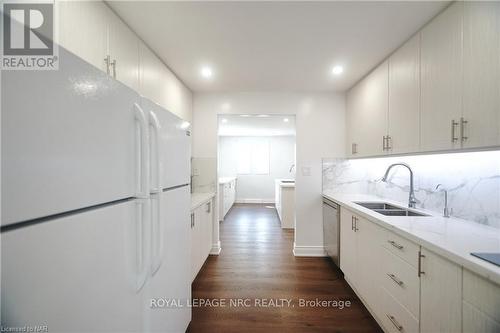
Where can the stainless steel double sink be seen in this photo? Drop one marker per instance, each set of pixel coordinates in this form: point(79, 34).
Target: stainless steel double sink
point(389, 209)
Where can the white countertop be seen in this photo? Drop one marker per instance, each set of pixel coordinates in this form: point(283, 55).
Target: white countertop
point(451, 238)
point(224, 180)
point(198, 199)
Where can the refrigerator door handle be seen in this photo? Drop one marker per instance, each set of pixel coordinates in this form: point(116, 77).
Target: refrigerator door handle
point(157, 234)
point(155, 190)
point(155, 153)
point(142, 158)
point(141, 242)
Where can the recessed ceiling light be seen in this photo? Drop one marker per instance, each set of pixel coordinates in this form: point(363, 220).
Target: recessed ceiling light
point(226, 106)
point(337, 70)
point(206, 72)
point(224, 120)
point(285, 120)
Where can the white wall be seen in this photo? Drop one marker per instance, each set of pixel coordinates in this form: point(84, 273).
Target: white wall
point(257, 188)
point(320, 125)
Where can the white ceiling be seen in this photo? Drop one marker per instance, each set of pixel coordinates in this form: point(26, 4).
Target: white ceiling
point(274, 46)
point(256, 125)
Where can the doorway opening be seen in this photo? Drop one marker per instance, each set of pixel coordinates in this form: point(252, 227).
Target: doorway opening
point(256, 164)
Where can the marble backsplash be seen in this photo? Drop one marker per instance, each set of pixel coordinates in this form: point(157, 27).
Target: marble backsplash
point(472, 180)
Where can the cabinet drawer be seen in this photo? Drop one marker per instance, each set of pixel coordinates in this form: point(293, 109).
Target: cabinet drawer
point(401, 281)
point(482, 294)
point(395, 317)
point(401, 247)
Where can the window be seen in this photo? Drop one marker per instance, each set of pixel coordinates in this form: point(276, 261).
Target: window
point(253, 156)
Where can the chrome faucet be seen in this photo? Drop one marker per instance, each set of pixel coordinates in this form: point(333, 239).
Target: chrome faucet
point(446, 211)
point(412, 201)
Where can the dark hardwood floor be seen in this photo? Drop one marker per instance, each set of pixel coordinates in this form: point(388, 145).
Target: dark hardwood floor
point(257, 262)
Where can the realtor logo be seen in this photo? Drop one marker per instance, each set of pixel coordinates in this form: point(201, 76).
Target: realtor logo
point(28, 36)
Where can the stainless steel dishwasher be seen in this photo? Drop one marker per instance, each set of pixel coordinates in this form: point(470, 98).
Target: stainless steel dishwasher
point(331, 230)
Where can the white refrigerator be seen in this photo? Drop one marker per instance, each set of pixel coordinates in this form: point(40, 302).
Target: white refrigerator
point(88, 235)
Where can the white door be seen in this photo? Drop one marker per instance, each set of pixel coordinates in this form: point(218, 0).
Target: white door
point(371, 119)
point(150, 74)
point(404, 98)
point(172, 279)
point(83, 29)
point(78, 273)
point(174, 145)
point(441, 80)
point(124, 52)
point(440, 294)
point(481, 93)
point(70, 145)
point(348, 253)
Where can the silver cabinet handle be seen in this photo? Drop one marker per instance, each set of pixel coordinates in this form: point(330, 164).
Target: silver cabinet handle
point(388, 142)
point(209, 206)
point(107, 60)
point(396, 245)
point(354, 148)
point(453, 125)
point(395, 279)
point(355, 224)
point(113, 64)
point(192, 220)
point(463, 122)
point(384, 144)
point(352, 222)
point(419, 269)
point(394, 322)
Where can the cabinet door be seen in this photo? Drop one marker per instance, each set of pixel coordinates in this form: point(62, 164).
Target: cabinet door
point(368, 260)
point(440, 294)
point(194, 246)
point(124, 51)
point(352, 119)
point(370, 118)
point(348, 255)
point(481, 94)
point(150, 74)
point(404, 98)
point(209, 223)
point(83, 30)
point(441, 79)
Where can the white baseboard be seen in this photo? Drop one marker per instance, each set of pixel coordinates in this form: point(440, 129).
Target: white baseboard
point(308, 251)
point(255, 201)
point(216, 249)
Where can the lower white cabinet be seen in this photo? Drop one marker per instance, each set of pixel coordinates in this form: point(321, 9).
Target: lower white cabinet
point(360, 252)
point(481, 304)
point(408, 288)
point(440, 294)
point(201, 235)
point(227, 196)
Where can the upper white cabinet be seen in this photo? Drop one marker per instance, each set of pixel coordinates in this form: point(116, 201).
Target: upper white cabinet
point(368, 116)
point(110, 45)
point(404, 98)
point(83, 30)
point(124, 53)
point(150, 74)
point(442, 89)
point(441, 85)
point(481, 65)
point(440, 294)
